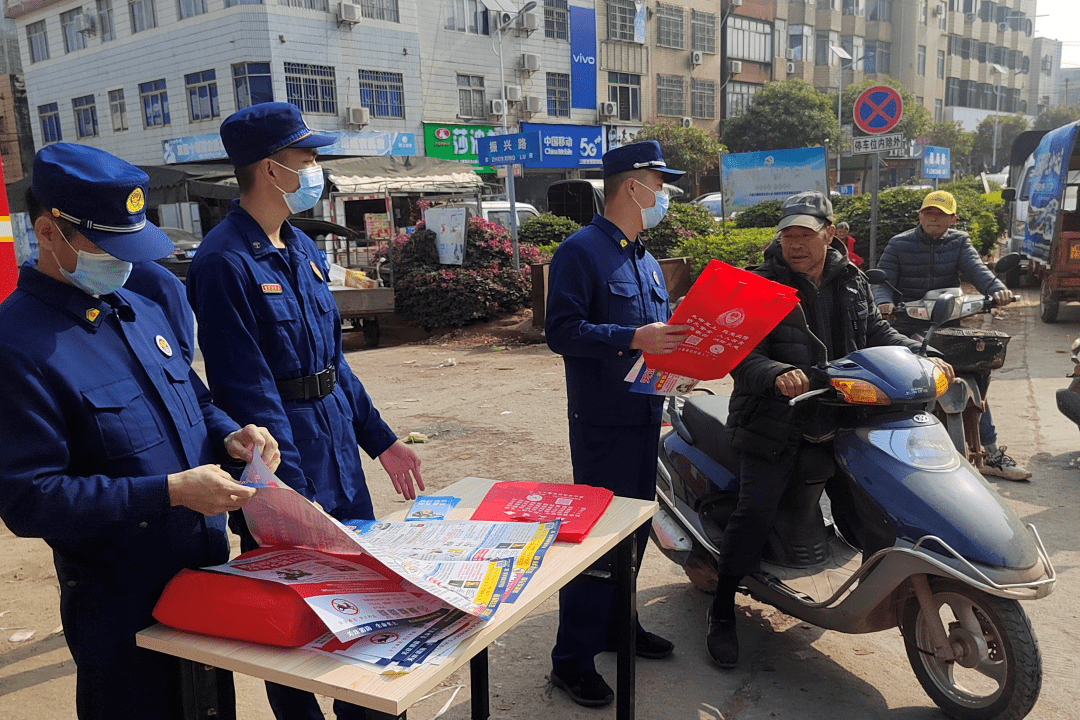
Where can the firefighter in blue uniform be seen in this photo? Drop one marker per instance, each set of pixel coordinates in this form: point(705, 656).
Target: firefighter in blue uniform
point(270, 334)
point(607, 302)
point(108, 434)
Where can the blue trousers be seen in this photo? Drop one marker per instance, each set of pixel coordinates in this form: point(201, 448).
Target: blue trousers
point(987, 431)
point(623, 460)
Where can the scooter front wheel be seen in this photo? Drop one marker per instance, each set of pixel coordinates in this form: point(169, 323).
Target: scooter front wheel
point(997, 674)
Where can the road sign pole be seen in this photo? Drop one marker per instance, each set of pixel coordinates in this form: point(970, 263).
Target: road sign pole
point(875, 182)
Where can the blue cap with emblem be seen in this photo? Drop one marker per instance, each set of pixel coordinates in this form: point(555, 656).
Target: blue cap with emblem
point(643, 155)
point(103, 196)
point(259, 131)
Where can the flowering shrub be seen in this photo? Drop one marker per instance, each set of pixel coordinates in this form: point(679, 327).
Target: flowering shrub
point(484, 286)
point(682, 222)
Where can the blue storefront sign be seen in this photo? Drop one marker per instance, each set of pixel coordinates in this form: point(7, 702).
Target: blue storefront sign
point(583, 58)
point(568, 146)
point(936, 162)
point(195, 148)
point(509, 149)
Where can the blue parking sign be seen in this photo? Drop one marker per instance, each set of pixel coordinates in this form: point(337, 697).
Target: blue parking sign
point(936, 162)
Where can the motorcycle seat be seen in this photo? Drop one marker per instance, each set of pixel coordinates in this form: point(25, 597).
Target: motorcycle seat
point(704, 417)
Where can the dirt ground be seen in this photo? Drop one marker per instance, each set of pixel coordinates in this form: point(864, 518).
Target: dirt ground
point(494, 406)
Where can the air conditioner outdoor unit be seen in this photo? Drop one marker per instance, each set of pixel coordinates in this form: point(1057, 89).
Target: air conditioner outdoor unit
point(85, 24)
point(937, 10)
point(497, 107)
point(696, 58)
point(533, 103)
point(528, 21)
point(734, 3)
point(790, 67)
point(530, 62)
point(969, 17)
point(736, 67)
point(790, 53)
point(687, 122)
point(502, 19)
point(513, 93)
point(1003, 26)
point(358, 115)
point(608, 109)
point(349, 13)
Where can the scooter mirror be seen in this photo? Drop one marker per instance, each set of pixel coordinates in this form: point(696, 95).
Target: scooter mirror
point(944, 309)
point(876, 276)
point(1007, 263)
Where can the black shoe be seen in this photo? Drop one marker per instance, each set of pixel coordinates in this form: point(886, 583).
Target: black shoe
point(722, 642)
point(646, 645)
point(585, 688)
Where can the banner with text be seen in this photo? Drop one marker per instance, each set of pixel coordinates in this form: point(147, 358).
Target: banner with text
point(754, 177)
point(458, 142)
point(568, 146)
point(583, 58)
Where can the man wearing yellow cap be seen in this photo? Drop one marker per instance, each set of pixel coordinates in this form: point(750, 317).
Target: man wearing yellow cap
point(935, 255)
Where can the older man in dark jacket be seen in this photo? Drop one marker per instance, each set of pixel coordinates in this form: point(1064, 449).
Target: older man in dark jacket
point(839, 307)
point(935, 255)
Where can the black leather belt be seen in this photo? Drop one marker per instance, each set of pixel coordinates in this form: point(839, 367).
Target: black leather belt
point(309, 387)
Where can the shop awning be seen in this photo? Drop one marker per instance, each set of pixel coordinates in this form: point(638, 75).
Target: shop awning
point(371, 175)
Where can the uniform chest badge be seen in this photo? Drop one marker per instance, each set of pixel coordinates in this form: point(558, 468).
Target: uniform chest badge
point(164, 346)
point(655, 277)
point(92, 314)
point(315, 268)
point(271, 288)
point(256, 244)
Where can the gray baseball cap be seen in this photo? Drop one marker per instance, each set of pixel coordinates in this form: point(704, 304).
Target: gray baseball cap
point(808, 209)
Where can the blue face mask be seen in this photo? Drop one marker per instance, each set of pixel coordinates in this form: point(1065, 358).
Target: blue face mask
point(307, 195)
point(651, 216)
point(95, 273)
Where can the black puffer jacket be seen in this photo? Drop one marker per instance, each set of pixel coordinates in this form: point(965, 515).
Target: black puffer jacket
point(914, 264)
point(841, 312)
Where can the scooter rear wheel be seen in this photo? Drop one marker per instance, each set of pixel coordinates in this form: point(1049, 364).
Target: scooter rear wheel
point(998, 673)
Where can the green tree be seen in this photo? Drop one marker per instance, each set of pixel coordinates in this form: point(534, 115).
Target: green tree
point(953, 136)
point(1052, 119)
point(982, 152)
point(915, 121)
point(691, 149)
point(785, 114)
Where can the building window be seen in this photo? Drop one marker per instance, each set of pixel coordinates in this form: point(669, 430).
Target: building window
point(749, 39)
point(940, 64)
point(85, 116)
point(191, 8)
point(877, 57)
point(952, 91)
point(624, 90)
point(202, 95)
point(924, 11)
point(50, 123)
point(702, 31)
point(558, 94)
point(821, 48)
point(118, 110)
point(380, 10)
point(383, 93)
point(155, 103)
point(471, 98)
point(937, 110)
point(879, 10)
point(620, 19)
point(702, 98)
point(105, 20)
point(669, 95)
point(73, 39)
point(669, 26)
point(467, 16)
point(311, 88)
point(323, 5)
point(556, 19)
point(234, 3)
point(739, 97)
point(920, 60)
point(38, 40)
point(253, 84)
point(854, 7)
point(800, 42)
point(143, 16)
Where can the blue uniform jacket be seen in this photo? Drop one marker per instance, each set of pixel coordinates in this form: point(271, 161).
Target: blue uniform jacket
point(601, 288)
point(266, 314)
point(155, 283)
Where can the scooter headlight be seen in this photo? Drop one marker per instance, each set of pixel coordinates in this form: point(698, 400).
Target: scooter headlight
point(860, 392)
point(941, 383)
point(927, 447)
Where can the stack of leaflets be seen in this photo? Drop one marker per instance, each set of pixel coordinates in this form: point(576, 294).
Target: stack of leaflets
point(576, 507)
point(406, 592)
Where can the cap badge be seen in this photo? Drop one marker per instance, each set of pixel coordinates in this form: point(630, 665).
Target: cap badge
point(56, 212)
point(164, 346)
point(136, 201)
point(92, 314)
point(271, 288)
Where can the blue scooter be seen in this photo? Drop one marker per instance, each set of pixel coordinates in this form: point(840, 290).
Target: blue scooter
point(910, 534)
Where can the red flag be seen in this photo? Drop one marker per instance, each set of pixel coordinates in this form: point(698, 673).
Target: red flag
point(9, 270)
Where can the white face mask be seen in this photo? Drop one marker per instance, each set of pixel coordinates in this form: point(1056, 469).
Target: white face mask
point(651, 216)
point(307, 195)
point(95, 273)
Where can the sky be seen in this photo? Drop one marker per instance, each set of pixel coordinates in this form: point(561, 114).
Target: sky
point(1061, 22)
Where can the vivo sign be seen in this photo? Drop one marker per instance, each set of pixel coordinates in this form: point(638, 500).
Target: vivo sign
point(583, 58)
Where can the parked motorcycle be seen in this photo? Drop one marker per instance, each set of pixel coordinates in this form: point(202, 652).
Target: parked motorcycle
point(917, 539)
point(1068, 399)
point(972, 352)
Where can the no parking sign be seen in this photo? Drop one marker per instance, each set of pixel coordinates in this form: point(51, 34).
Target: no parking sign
point(878, 109)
